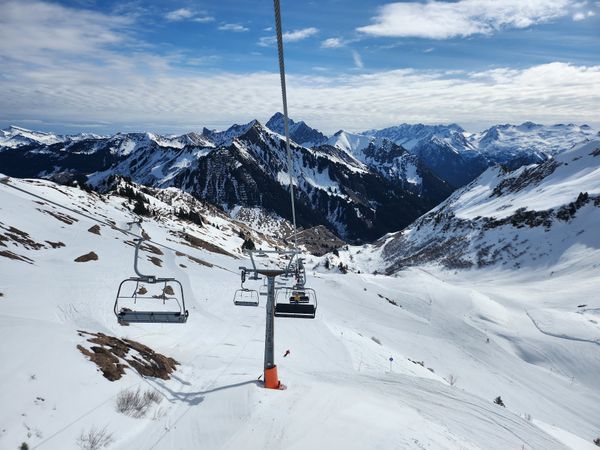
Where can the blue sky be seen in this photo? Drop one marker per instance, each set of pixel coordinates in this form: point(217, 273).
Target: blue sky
point(176, 66)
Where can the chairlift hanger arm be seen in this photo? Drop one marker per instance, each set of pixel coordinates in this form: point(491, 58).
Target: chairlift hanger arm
point(293, 253)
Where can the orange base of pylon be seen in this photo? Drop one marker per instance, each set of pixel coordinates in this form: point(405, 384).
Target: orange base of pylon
point(271, 379)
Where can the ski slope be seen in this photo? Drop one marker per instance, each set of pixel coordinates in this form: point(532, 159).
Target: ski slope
point(342, 390)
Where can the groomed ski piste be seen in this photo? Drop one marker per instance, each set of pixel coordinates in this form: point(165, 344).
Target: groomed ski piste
point(457, 340)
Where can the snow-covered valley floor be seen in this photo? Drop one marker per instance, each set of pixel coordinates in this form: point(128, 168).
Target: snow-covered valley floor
point(458, 341)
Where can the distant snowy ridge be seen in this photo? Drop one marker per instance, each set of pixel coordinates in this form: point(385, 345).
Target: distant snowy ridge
point(504, 143)
point(458, 156)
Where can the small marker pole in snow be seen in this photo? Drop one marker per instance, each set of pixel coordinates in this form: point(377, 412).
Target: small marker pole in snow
point(391, 361)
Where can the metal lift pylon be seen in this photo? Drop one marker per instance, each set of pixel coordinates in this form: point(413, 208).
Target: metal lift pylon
point(271, 379)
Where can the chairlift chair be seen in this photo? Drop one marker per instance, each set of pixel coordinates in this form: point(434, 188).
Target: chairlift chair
point(244, 296)
point(149, 299)
point(296, 302)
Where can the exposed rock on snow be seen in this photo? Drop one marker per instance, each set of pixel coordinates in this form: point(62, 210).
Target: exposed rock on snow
point(113, 356)
point(91, 256)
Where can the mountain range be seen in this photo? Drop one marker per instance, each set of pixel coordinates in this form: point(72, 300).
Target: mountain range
point(360, 185)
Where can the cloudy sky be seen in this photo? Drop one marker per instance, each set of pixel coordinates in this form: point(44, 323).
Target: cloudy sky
point(176, 66)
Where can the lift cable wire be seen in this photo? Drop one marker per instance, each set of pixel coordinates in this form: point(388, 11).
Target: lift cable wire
point(285, 111)
point(6, 182)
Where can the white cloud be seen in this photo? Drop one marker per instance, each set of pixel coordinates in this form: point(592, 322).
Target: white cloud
point(79, 79)
point(298, 35)
point(443, 20)
point(203, 19)
point(581, 15)
point(235, 27)
point(187, 14)
point(38, 32)
point(179, 14)
point(358, 62)
point(290, 36)
point(332, 43)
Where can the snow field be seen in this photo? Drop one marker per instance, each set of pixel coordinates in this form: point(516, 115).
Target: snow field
point(341, 392)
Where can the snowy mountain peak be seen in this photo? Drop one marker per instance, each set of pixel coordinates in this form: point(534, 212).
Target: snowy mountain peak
point(224, 138)
point(351, 142)
point(300, 132)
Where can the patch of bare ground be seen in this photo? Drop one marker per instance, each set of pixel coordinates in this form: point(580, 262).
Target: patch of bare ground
point(113, 355)
point(91, 256)
point(318, 240)
point(151, 248)
point(196, 260)
point(60, 216)
point(194, 242)
point(146, 247)
point(95, 229)
point(10, 255)
point(168, 290)
point(156, 261)
point(20, 238)
point(56, 244)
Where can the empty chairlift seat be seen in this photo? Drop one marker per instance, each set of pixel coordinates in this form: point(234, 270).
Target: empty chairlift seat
point(246, 297)
point(150, 300)
point(129, 316)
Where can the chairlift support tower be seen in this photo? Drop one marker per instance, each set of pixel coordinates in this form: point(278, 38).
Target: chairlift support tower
point(271, 379)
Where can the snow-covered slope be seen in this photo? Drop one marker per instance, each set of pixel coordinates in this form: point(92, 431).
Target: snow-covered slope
point(536, 216)
point(456, 344)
